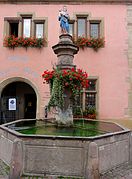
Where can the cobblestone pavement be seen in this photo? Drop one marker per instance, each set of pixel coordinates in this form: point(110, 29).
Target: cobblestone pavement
point(122, 172)
point(4, 170)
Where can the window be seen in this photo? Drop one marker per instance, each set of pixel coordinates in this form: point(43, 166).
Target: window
point(26, 26)
point(90, 94)
point(13, 29)
point(39, 29)
point(12, 24)
point(71, 28)
point(86, 102)
point(86, 26)
point(81, 26)
point(94, 29)
point(87, 98)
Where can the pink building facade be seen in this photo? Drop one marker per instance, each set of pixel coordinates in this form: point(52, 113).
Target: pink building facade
point(109, 68)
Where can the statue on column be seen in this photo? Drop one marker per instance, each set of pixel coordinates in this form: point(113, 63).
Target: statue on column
point(64, 20)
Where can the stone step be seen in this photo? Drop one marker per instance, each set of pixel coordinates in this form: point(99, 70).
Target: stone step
point(3, 177)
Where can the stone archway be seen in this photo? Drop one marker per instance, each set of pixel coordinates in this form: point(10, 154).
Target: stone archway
point(26, 95)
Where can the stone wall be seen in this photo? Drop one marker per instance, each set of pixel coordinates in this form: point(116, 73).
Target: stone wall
point(6, 145)
point(129, 28)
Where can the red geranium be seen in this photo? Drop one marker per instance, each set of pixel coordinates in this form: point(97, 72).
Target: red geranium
point(12, 42)
point(71, 77)
point(94, 43)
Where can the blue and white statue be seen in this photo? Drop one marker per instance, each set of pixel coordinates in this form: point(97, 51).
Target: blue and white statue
point(64, 18)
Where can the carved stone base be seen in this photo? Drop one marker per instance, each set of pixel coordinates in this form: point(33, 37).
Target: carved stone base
point(64, 117)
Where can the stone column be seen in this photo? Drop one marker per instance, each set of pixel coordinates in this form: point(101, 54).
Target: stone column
point(65, 51)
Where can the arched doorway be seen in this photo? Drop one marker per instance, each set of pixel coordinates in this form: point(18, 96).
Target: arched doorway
point(18, 101)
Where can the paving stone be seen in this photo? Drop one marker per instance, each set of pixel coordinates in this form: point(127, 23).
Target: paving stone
point(121, 172)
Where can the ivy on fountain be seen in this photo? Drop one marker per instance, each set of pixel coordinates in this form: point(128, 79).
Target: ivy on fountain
point(56, 94)
point(60, 79)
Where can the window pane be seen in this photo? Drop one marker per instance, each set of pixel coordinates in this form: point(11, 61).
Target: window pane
point(14, 29)
point(71, 26)
point(78, 100)
point(77, 105)
point(26, 27)
point(91, 85)
point(94, 30)
point(81, 27)
point(39, 30)
point(90, 100)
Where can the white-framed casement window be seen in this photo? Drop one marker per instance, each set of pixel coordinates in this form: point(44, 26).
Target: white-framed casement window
point(71, 27)
point(39, 28)
point(26, 26)
point(81, 26)
point(94, 29)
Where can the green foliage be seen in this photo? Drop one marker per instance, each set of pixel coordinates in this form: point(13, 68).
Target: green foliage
point(77, 111)
point(90, 110)
point(87, 113)
point(56, 94)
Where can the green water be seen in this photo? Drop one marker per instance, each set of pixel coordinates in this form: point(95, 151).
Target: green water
point(80, 128)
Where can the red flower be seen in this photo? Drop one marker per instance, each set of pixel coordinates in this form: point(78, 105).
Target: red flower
point(12, 41)
point(66, 84)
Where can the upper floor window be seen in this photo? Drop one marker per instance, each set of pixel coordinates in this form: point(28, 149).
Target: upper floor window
point(32, 31)
point(87, 32)
point(26, 26)
point(71, 28)
point(39, 29)
point(85, 26)
point(81, 26)
point(94, 29)
point(13, 25)
point(13, 28)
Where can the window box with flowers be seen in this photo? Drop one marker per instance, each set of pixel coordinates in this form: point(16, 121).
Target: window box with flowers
point(59, 80)
point(13, 42)
point(94, 43)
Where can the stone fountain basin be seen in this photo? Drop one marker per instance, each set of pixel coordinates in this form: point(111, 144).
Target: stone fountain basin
point(64, 155)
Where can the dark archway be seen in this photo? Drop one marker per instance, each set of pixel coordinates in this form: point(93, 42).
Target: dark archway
point(18, 101)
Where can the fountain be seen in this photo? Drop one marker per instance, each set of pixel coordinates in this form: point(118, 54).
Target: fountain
point(75, 154)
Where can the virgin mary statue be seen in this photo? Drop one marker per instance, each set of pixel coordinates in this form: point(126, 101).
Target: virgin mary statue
point(64, 18)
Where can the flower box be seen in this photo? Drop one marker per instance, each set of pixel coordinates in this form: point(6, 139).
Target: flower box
point(13, 42)
point(94, 43)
